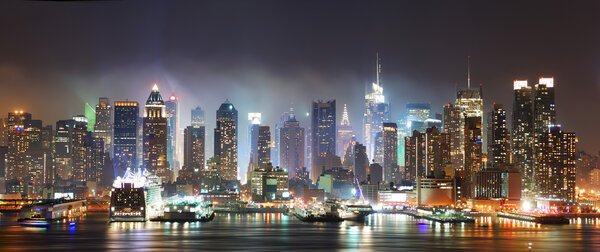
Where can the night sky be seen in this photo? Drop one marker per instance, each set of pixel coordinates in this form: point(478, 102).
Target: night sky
point(264, 55)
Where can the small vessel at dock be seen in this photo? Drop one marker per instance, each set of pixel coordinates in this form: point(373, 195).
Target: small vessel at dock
point(34, 221)
point(188, 208)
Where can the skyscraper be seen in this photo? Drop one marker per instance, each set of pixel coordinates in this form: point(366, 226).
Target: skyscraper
point(361, 162)
point(264, 146)
point(390, 153)
point(555, 166)
point(18, 144)
point(197, 116)
point(323, 134)
point(416, 115)
point(4, 131)
point(79, 141)
point(125, 136)
point(344, 134)
point(544, 111)
point(415, 158)
point(291, 146)
point(452, 127)
point(254, 119)
point(103, 127)
point(437, 152)
point(473, 152)
point(522, 132)
point(498, 138)
point(226, 141)
point(155, 136)
point(94, 165)
point(63, 149)
point(377, 111)
point(172, 106)
point(277, 131)
point(90, 117)
point(193, 153)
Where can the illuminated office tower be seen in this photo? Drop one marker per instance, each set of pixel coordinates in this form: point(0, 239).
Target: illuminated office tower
point(198, 117)
point(155, 136)
point(415, 166)
point(291, 146)
point(361, 162)
point(254, 119)
point(323, 134)
point(226, 141)
point(556, 161)
point(498, 138)
point(390, 152)
point(193, 154)
point(18, 144)
point(79, 139)
point(36, 161)
point(473, 152)
point(437, 152)
point(264, 146)
point(344, 134)
point(377, 111)
point(522, 132)
point(125, 136)
point(90, 117)
point(544, 111)
point(94, 164)
point(172, 106)
point(103, 127)
point(63, 149)
point(451, 127)
point(417, 115)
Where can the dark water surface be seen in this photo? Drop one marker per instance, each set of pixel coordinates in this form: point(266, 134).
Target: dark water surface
point(277, 232)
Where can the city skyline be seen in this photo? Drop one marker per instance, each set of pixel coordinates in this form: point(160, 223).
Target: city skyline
point(299, 125)
point(407, 68)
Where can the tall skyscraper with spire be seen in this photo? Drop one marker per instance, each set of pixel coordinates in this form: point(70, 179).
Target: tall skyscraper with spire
point(344, 134)
point(226, 141)
point(469, 102)
point(172, 106)
point(155, 136)
point(377, 111)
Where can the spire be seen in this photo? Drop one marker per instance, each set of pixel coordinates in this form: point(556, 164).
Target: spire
point(292, 115)
point(469, 71)
point(378, 68)
point(345, 120)
point(155, 88)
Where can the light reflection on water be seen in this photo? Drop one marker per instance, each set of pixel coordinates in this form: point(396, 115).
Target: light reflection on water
point(281, 232)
